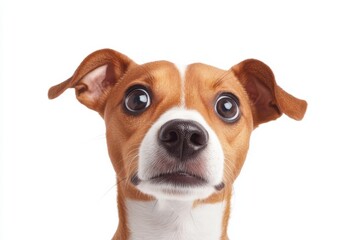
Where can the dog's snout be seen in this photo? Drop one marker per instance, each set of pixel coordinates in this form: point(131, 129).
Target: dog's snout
point(183, 139)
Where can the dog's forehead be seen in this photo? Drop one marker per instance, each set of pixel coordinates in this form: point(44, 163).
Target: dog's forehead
point(193, 83)
point(195, 74)
point(202, 76)
point(203, 71)
point(159, 68)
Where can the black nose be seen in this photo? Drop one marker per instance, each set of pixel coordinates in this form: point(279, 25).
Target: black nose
point(183, 139)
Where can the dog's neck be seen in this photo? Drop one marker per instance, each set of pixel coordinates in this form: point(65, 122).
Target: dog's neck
point(170, 219)
point(173, 219)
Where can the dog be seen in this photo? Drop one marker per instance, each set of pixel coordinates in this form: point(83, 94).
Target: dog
point(177, 139)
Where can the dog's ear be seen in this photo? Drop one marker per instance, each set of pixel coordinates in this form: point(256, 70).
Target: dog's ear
point(268, 100)
point(94, 78)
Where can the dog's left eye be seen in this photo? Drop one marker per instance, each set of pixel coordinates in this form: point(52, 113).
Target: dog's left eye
point(137, 100)
point(227, 107)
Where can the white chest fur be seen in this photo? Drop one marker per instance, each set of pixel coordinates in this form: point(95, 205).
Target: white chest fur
point(176, 220)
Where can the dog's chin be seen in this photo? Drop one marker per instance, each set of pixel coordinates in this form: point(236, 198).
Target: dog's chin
point(175, 192)
point(175, 186)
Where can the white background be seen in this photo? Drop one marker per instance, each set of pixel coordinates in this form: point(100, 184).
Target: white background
point(301, 180)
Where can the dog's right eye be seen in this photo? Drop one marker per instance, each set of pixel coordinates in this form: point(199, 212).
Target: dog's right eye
point(227, 108)
point(137, 100)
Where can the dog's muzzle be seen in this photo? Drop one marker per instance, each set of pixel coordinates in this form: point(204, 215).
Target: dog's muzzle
point(180, 157)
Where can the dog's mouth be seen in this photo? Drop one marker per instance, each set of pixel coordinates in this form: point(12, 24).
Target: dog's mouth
point(179, 178)
point(174, 183)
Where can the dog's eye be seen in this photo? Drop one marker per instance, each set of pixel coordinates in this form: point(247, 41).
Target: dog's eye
point(137, 100)
point(227, 107)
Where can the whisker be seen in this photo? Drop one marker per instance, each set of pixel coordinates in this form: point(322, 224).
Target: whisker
point(100, 136)
point(155, 204)
point(112, 187)
point(131, 156)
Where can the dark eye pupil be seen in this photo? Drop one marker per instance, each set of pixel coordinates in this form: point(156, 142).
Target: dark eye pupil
point(137, 100)
point(227, 108)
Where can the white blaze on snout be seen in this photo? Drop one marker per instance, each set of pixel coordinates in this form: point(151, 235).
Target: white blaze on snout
point(182, 71)
point(152, 156)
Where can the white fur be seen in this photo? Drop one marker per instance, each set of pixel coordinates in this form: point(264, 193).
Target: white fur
point(150, 153)
point(182, 71)
point(174, 220)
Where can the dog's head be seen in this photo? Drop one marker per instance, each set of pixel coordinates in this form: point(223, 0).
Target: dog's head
point(178, 135)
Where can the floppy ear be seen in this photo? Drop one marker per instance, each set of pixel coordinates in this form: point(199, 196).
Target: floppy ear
point(268, 100)
point(94, 78)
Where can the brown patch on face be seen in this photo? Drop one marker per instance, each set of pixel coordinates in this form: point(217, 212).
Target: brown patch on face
point(124, 130)
point(203, 86)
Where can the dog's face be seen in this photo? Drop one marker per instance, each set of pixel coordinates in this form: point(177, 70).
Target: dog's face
point(175, 134)
point(178, 135)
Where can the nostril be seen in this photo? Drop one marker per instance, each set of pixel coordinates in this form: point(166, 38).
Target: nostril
point(171, 137)
point(168, 135)
point(199, 139)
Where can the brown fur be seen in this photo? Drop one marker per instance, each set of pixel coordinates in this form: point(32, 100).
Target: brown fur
point(261, 100)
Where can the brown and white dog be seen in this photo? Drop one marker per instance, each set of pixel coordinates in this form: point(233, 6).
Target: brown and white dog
point(177, 140)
